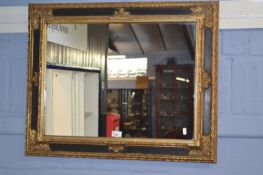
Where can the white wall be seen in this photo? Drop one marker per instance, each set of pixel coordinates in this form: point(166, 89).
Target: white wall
point(71, 35)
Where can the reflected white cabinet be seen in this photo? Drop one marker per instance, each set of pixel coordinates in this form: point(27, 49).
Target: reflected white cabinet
point(72, 108)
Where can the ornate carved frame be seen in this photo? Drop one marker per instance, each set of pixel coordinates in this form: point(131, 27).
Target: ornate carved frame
point(202, 148)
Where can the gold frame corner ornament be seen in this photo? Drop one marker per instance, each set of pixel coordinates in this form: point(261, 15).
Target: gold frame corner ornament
point(202, 148)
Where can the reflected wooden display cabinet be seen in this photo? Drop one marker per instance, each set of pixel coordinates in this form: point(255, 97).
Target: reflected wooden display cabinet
point(174, 101)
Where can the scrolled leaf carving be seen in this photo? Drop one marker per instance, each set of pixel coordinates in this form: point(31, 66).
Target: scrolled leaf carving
point(34, 145)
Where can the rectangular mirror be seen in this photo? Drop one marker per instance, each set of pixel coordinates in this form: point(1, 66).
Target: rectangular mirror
point(128, 81)
point(161, 55)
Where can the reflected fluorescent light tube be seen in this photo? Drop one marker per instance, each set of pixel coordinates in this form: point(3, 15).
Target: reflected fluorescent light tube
point(184, 131)
point(182, 79)
point(116, 56)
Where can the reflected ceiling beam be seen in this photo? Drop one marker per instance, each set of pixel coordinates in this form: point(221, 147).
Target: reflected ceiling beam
point(112, 46)
point(136, 38)
point(124, 39)
point(161, 33)
point(149, 37)
point(189, 42)
point(173, 37)
point(175, 40)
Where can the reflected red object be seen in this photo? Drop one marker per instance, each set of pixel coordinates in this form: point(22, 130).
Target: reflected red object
point(113, 123)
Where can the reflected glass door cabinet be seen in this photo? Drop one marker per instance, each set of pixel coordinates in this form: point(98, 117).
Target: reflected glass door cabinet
point(174, 101)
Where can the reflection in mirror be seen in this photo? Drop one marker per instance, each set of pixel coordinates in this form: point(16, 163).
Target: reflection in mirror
point(120, 80)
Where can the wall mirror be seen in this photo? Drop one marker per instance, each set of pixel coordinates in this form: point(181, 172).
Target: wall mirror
point(123, 80)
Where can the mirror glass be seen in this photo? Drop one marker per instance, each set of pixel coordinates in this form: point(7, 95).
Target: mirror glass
point(129, 80)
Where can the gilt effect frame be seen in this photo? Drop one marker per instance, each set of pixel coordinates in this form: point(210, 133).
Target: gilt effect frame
point(202, 148)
